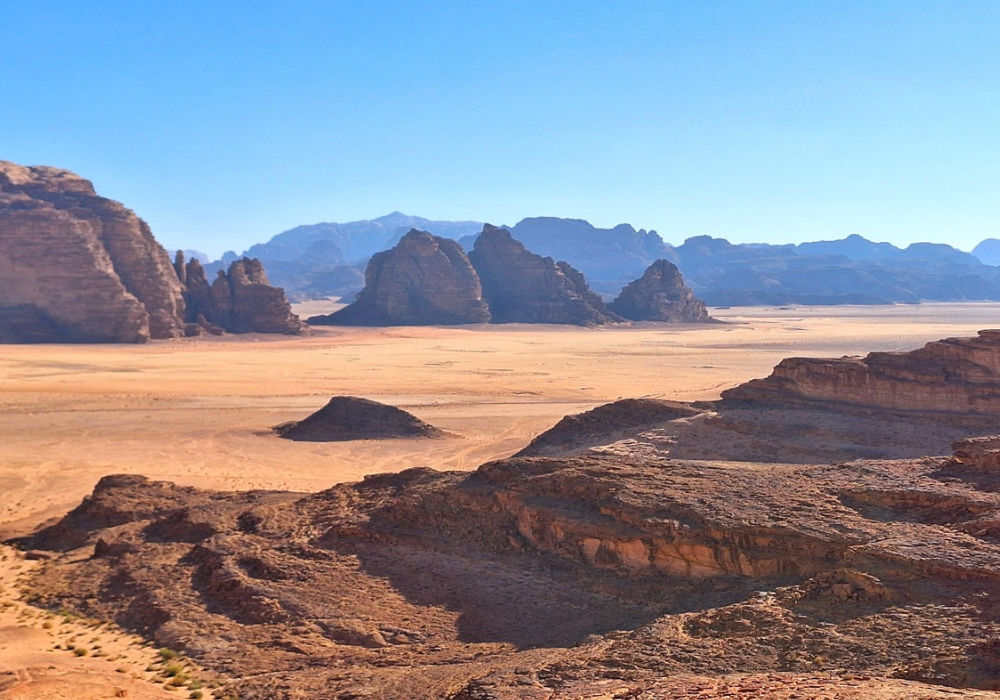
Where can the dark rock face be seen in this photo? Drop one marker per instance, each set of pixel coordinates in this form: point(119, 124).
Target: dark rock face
point(660, 295)
point(424, 280)
point(522, 287)
point(352, 418)
point(240, 301)
point(79, 266)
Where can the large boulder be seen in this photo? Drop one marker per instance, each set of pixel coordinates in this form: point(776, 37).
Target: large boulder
point(660, 295)
point(423, 280)
point(78, 267)
point(522, 287)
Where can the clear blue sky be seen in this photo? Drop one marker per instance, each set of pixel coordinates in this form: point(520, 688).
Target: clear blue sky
point(225, 122)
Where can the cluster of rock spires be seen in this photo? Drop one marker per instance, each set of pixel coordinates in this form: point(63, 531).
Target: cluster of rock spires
point(76, 267)
point(429, 280)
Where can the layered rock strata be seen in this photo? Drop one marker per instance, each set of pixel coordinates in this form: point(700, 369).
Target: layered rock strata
point(78, 267)
point(959, 377)
point(353, 418)
point(423, 280)
point(522, 287)
point(660, 295)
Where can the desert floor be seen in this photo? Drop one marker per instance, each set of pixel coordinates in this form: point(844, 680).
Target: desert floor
point(199, 412)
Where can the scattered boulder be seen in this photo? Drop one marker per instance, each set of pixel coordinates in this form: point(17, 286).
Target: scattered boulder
point(423, 280)
point(352, 418)
point(522, 287)
point(660, 295)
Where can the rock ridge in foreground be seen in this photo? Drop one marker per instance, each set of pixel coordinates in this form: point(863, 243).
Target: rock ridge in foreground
point(542, 577)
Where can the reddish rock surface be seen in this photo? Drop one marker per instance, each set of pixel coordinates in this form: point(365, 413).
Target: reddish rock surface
point(78, 267)
point(556, 578)
point(660, 295)
point(423, 280)
point(522, 287)
point(958, 377)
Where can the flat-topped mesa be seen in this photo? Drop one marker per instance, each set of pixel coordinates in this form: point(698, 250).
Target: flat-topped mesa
point(423, 280)
point(959, 376)
point(522, 287)
point(660, 295)
point(76, 267)
point(239, 301)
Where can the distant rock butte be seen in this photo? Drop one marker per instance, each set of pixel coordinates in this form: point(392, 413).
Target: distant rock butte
point(959, 376)
point(522, 287)
point(76, 267)
point(423, 280)
point(240, 300)
point(352, 418)
point(660, 295)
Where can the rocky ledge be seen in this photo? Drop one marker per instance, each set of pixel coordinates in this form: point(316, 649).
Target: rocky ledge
point(553, 578)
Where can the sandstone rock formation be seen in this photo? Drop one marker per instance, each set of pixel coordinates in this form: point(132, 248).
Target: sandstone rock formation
point(352, 418)
point(522, 287)
point(78, 267)
point(239, 301)
point(957, 377)
point(978, 454)
point(555, 578)
point(660, 295)
point(423, 280)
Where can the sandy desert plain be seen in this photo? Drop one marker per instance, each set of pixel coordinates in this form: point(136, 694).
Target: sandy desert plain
point(198, 412)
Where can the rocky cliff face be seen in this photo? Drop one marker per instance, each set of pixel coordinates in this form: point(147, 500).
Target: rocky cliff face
point(423, 280)
point(78, 267)
point(956, 376)
point(522, 287)
point(239, 301)
point(660, 295)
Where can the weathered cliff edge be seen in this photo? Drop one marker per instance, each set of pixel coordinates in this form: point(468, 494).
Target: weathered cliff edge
point(423, 280)
point(76, 267)
point(956, 376)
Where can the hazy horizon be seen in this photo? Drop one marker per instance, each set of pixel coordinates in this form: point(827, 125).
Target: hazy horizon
point(780, 122)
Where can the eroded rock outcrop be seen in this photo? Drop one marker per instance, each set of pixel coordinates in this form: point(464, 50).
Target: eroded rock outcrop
point(538, 577)
point(423, 280)
point(522, 287)
point(78, 267)
point(959, 377)
point(239, 301)
point(660, 295)
point(353, 418)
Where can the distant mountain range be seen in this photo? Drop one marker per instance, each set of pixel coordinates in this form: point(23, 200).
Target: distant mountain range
point(329, 259)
